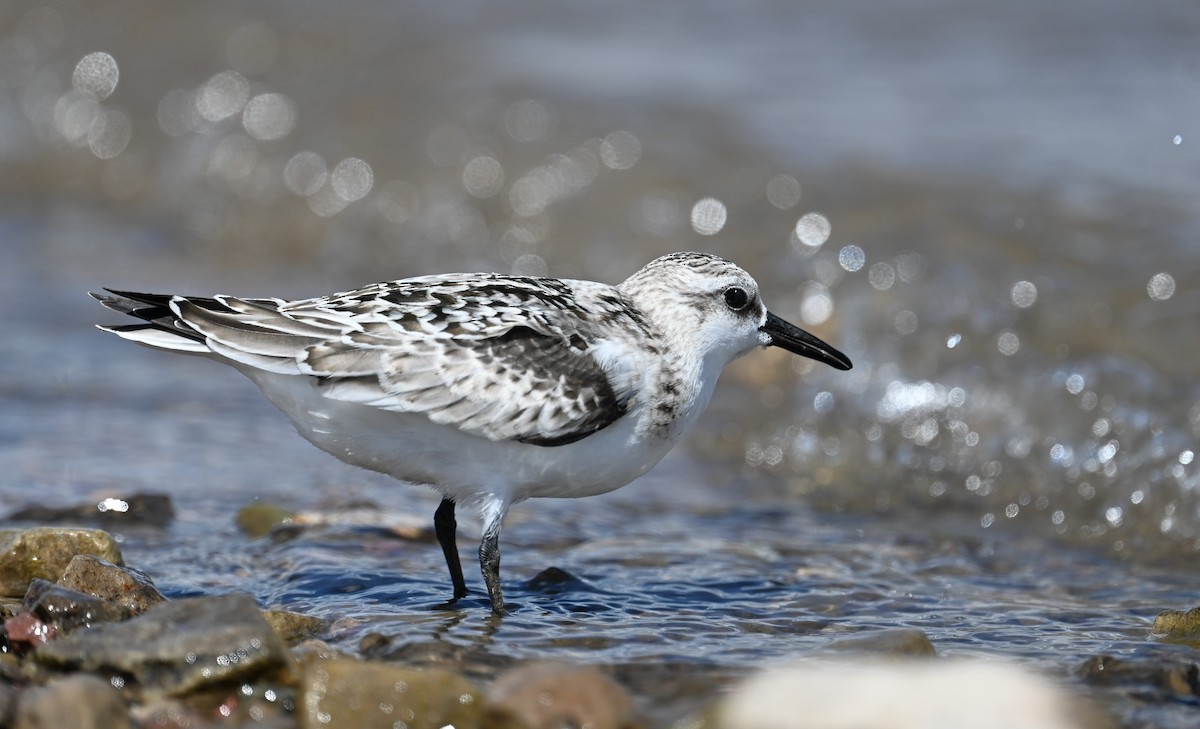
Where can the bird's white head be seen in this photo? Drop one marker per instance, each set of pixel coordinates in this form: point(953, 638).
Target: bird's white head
point(714, 306)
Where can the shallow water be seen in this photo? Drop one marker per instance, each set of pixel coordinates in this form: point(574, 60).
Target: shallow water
point(1009, 261)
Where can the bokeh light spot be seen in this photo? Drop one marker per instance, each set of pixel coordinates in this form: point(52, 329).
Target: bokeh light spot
point(352, 179)
point(620, 150)
point(882, 276)
point(1023, 294)
point(269, 116)
point(96, 74)
point(222, 96)
point(1008, 343)
point(483, 176)
point(305, 173)
point(708, 216)
point(109, 134)
point(783, 191)
point(852, 258)
point(813, 230)
point(1161, 286)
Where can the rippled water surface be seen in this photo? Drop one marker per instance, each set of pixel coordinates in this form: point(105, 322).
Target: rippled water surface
point(990, 210)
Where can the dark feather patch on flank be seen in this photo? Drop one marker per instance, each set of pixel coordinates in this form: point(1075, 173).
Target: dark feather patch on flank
point(548, 359)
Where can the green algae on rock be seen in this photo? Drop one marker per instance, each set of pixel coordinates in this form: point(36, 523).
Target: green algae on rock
point(1178, 626)
point(45, 552)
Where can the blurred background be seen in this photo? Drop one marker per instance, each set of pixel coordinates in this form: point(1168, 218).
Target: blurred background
point(990, 208)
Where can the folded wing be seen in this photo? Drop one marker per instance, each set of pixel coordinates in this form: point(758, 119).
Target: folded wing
point(482, 360)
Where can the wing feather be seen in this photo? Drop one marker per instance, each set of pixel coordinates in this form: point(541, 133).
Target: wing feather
point(507, 358)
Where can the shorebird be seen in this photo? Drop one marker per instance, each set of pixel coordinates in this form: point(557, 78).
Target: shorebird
point(490, 388)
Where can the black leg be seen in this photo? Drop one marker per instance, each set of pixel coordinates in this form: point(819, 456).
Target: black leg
point(489, 563)
point(445, 526)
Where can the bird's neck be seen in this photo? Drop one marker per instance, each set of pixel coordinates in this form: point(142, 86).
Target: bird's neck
point(679, 390)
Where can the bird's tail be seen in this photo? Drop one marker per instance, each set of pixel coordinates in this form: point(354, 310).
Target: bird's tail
point(160, 325)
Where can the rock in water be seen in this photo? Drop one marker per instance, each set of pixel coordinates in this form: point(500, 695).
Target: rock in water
point(176, 647)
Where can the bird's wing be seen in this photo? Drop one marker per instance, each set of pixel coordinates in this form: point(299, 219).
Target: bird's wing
point(508, 358)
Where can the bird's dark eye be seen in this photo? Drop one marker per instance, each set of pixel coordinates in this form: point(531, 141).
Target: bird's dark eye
point(736, 298)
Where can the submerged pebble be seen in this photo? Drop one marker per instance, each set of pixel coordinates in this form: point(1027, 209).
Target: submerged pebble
point(889, 642)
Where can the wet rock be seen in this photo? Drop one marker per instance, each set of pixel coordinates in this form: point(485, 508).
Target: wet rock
point(550, 695)
point(65, 609)
point(110, 513)
point(365, 694)
point(373, 644)
point(896, 642)
point(79, 702)
point(175, 647)
point(1178, 626)
point(45, 552)
point(293, 627)
point(903, 695)
point(125, 586)
point(556, 581)
point(259, 520)
point(8, 704)
point(1165, 678)
point(24, 631)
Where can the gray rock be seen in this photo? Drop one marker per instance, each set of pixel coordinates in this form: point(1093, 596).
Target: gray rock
point(125, 586)
point(112, 513)
point(8, 704)
point(45, 552)
point(66, 609)
point(79, 702)
point(175, 647)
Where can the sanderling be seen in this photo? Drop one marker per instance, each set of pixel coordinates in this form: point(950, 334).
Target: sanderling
point(492, 389)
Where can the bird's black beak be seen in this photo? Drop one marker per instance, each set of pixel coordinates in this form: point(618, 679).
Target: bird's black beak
point(797, 341)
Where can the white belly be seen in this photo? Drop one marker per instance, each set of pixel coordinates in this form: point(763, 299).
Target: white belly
point(463, 466)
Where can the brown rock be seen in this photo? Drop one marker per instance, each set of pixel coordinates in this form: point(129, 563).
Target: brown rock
point(367, 694)
point(550, 695)
point(79, 702)
point(130, 588)
point(293, 627)
point(175, 648)
point(45, 552)
point(1178, 626)
point(898, 642)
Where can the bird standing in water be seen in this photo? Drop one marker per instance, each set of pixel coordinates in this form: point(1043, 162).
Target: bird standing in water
point(490, 388)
